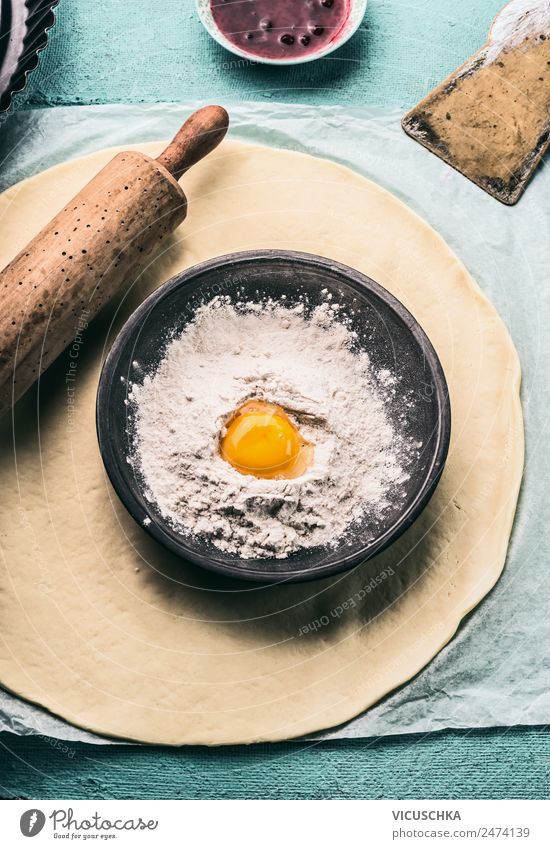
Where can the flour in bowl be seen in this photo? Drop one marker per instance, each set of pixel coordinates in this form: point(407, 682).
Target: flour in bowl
point(306, 363)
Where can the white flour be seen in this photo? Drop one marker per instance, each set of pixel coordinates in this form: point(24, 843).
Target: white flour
point(229, 354)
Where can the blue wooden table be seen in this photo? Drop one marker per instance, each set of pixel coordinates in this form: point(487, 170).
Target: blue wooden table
point(156, 50)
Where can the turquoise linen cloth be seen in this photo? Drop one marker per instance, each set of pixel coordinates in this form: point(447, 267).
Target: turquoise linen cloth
point(150, 50)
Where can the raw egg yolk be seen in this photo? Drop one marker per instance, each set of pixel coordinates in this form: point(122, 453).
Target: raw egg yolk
point(260, 440)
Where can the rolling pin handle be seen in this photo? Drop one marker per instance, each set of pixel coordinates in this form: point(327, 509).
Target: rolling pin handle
point(201, 133)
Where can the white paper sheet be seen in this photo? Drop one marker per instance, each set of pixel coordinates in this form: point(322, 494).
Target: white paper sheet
point(496, 671)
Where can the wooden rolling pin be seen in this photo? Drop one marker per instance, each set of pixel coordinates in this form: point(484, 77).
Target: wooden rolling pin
point(95, 244)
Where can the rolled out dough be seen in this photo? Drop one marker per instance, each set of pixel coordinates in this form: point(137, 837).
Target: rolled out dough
point(103, 627)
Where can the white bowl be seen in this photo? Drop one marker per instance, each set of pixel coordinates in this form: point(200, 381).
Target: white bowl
point(356, 15)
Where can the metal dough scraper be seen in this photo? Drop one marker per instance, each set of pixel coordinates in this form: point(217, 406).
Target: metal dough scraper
point(491, 118)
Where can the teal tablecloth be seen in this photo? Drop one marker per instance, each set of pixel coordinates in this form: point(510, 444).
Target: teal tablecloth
point(154, 50)
point(147, 50)
point(485, 765)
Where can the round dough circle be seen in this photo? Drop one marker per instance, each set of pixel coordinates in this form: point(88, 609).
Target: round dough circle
point(103, 627)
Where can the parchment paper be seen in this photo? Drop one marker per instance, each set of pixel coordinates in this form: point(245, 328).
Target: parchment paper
point(496, 671)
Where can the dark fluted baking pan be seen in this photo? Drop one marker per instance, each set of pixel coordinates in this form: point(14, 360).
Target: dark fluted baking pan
point(24, 28)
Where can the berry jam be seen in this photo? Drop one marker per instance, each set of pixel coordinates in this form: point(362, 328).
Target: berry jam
point(280, 29)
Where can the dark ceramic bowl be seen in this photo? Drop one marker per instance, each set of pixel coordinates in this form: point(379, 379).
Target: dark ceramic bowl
point(389, 333)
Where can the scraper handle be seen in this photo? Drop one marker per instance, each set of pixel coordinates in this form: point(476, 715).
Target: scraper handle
point(201, 133)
